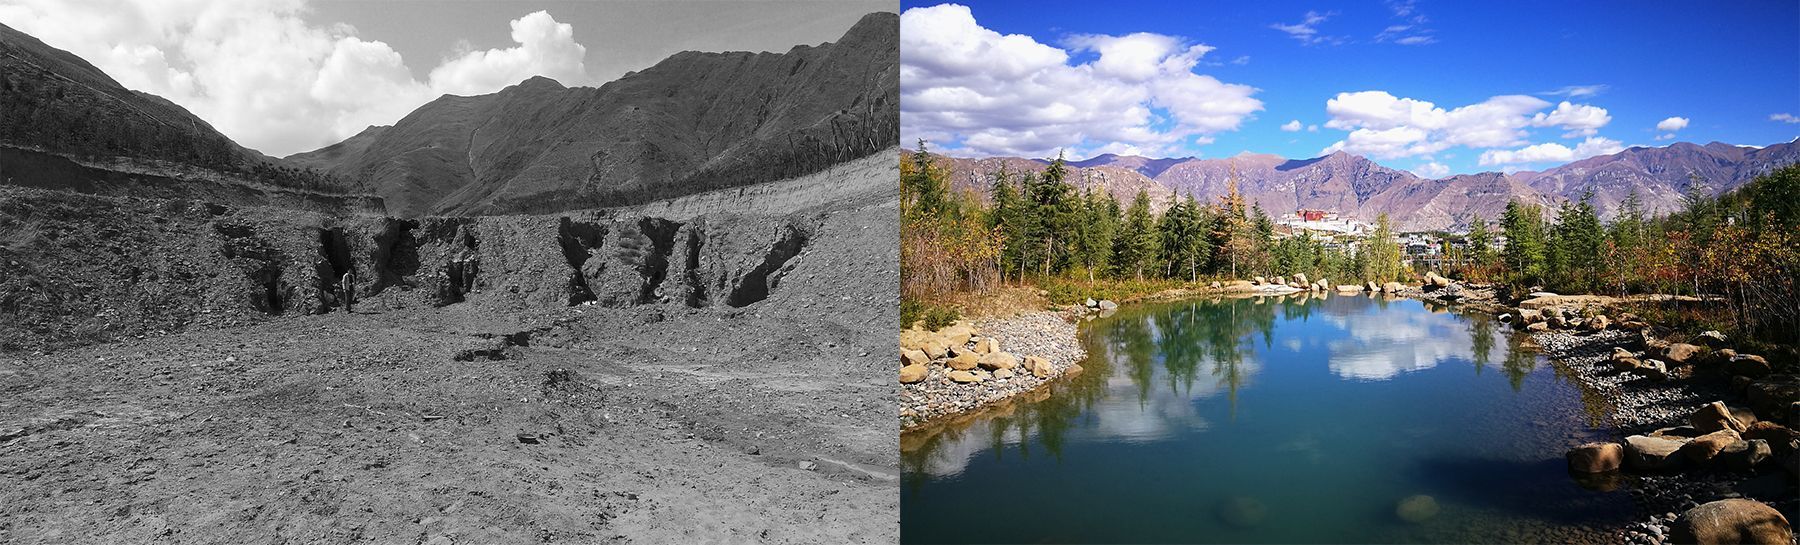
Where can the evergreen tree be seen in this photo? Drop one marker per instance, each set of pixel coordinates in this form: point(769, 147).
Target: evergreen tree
point(1010, 219)
point(1136, 242)
point(1523, 226)
point(1481, 242)
point(922, 188)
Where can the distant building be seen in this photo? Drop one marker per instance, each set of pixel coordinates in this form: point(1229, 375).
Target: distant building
point(1323, 223)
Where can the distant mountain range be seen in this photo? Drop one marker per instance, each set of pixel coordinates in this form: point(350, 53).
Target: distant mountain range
point(693, 122)
point(1357, 187)
point(65, 125)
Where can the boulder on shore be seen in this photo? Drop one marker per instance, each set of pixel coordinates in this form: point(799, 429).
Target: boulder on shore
point(913, 373)
point(1713, 339)
point(1748, 365)
point(1733, 520)
point(913, 357)
point(963, 362)
point(964, 377)
point(1596, 457)
point(1681, 353)
point(1651, 453)
point(1713, 417)
point(1701, 450)
point(999, 360)
point(1301, 278)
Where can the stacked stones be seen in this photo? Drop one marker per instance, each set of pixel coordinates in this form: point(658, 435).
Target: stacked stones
point(961, 367)
point(968, 357)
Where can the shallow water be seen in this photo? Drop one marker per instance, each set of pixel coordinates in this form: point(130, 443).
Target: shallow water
point(1272, 420)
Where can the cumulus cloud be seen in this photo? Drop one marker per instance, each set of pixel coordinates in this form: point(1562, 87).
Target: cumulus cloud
point(1386, 126)
point(1432, 170)
point(973, 91)
point(1552, 152)
point(259, 73)
point(1580, 119)
point(1291, 126)
point(1784, 117)
point(1670, 125)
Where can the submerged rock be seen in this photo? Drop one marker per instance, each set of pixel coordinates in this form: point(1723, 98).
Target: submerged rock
point(1417, 509)
point(1596, 457)
point(1243, 512)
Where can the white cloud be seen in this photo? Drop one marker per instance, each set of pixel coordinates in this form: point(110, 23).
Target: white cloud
point(1784, 118)
point(1307, 30)
point(256, 71)
point(1672, 124)
point(546, 48)
point(1241, 60)
point(1577, 91)
point(1411, 30)
point(1312, 128)
point(1580, 119)
point(1432, 170)
point(1552, 152)
point(1386, 126)
point(975, 91)
point(1291, 126)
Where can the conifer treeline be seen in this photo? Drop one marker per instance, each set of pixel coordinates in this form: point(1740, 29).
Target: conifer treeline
point(1038, 225)
point(1742, 248)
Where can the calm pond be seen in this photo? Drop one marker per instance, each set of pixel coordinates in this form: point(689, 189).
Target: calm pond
point(1273, 419)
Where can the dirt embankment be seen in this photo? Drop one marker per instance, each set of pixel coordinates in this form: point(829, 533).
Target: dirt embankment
point(726, 384)
point(78, 269)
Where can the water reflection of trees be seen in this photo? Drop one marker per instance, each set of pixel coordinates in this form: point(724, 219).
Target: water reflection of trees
point(1191, 341)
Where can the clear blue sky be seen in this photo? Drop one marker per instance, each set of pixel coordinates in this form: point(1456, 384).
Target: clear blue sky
point(1725, 67)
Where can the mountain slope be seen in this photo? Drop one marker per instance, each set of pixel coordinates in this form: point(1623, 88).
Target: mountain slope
point(691, 123)
point(1359, 188)
point(66, 125)
point(1662, 175)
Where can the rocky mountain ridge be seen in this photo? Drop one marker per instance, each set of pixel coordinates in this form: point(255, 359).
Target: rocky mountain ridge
point(1359, 188)
point(692, 123)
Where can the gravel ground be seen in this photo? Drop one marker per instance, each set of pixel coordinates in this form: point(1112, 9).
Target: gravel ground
point(1050, 335)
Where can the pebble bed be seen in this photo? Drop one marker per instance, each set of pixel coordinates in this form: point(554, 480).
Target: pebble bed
point(1050, 335)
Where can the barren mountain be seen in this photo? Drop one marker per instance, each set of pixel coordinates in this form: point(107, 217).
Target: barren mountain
point(1359, 188)
point(1662, 175)
point(65, 125)
point(693, 122)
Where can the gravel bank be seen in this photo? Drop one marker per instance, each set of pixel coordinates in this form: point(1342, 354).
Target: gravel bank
point(1051, 335)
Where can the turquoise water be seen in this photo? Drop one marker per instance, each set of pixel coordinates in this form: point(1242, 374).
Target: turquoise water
point(1272, 420)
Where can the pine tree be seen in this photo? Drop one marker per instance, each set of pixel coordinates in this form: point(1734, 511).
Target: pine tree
point(1523, 226)
point(1136, 242)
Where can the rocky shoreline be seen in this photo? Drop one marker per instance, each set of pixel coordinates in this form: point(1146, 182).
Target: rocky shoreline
point(966, 367)
point(1705, 433)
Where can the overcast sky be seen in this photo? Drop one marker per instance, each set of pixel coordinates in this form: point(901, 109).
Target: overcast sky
point(285, 76)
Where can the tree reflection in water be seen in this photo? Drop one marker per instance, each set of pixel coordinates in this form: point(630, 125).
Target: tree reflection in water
point(1202, 347)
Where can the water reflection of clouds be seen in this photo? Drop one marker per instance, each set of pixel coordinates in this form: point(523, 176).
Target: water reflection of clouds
point(1381, 345)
